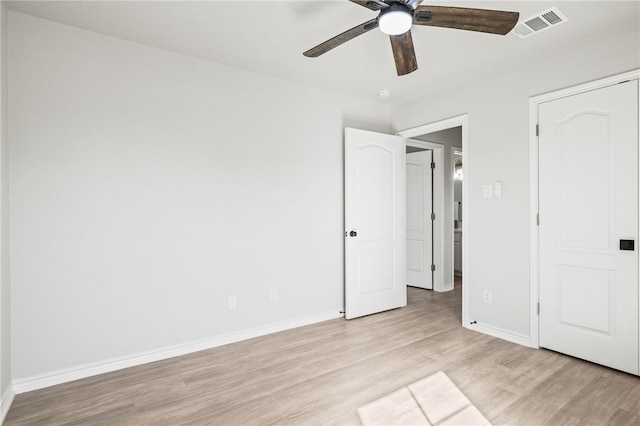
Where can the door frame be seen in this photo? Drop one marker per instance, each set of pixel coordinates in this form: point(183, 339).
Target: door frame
point(534, 164)
point(438, 208)
point(457, 121)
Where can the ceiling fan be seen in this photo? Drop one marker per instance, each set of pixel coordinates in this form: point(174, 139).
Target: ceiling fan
point(396, 17)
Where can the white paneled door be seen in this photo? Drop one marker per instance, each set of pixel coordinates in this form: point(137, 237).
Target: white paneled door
point(588, 156)
point(419, 223)
point(374, 223)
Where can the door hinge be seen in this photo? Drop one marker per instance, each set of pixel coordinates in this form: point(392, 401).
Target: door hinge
point(538, 308)
point(433, 165)
point(433, 216)
point(537, 219)
point(433, 268)
point(537, 130)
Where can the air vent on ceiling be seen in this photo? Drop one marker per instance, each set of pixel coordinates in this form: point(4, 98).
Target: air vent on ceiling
point(540, 22)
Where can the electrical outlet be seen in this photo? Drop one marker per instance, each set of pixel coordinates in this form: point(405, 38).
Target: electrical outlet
point(232, 303)
point(273, 295)
point(487, 296)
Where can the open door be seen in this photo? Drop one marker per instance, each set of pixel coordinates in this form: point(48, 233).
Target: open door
point(420, 219)
point(374, 222)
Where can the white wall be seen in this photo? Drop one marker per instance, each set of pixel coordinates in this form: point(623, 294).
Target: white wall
point(147, 187)
point(5, 296)
point(497, 230)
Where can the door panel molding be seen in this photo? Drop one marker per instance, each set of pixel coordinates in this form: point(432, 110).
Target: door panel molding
point(534, 103)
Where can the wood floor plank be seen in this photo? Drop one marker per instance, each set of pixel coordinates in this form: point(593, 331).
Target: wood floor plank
point(600, 398)
point(544, 401)
point(321, 374)
point(624, 418)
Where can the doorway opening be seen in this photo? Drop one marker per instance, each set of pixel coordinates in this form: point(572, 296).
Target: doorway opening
point(447, 138)
point(458, 177)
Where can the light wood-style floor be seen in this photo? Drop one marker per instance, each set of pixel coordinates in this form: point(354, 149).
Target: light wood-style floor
point(321, 374)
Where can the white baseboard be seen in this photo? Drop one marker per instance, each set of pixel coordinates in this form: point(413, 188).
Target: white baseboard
point(500, 333)
point(40, 381)
point(7, 400)
point(445, 287)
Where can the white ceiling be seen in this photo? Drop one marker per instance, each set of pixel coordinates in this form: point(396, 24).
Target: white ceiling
point(268, 37)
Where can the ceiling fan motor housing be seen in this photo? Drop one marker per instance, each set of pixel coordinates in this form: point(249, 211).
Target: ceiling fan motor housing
point(395, 19)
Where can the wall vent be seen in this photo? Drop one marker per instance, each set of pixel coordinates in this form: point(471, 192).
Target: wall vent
point(539, 22)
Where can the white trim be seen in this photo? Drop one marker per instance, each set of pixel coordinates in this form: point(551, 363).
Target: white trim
point(500, 333)
point(534, 102)
point(438, 207)
point(434, 127)
point(7, 400)
point(533, 226)
point(463, 121)
point(452, 160)
point(40, 381)
point(585, 87)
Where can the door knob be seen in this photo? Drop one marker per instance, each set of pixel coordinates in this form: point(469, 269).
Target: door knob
point(353, 233)
point(627, 245)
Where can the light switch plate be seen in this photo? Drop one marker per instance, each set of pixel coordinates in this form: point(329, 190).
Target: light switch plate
point(487, 191)
point(497, 189)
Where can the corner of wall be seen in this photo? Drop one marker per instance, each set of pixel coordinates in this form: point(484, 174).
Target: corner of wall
point(5, 298)
point(7, 399)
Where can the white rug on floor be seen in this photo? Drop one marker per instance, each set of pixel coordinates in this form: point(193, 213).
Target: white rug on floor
point(434, 400)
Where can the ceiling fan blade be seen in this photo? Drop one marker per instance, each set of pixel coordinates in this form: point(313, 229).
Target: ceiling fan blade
point(377, 5)
point(461, 18)
point(374, 5)
point(341, 38)
point(404, 53)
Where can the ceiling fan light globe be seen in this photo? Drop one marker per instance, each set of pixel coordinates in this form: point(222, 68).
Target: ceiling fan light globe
point(395, 22)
